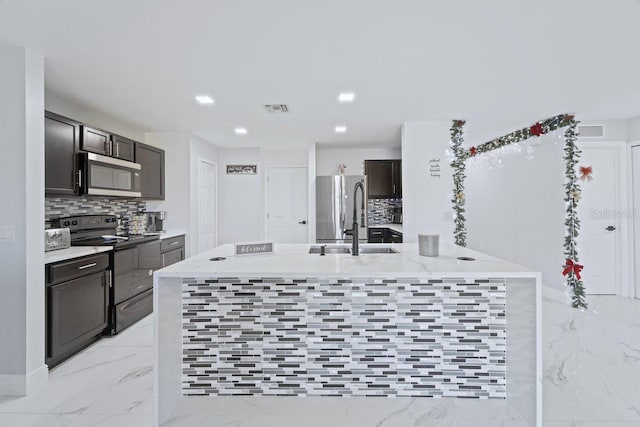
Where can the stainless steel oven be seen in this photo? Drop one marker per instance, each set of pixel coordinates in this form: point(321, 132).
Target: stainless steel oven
point(106, 176)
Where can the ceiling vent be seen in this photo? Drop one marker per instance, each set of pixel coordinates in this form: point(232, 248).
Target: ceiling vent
point(591, 131)
point(276, 108)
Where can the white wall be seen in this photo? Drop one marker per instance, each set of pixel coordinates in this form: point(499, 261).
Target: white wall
point(177, 181)
point(516, 211)
point(426, 200)
point(92, 117)
point(241, 198)
point(633, 129)
point(328, 159)
point(21, 221)
point(182, 154)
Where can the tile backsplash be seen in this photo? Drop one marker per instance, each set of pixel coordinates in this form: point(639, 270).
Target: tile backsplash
point(380, 211)
point(124, 209)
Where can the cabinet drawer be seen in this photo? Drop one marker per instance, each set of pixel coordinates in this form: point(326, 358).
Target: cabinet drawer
point(78, 267)
point(171, 257)
point(172, 243)
point(396, 237)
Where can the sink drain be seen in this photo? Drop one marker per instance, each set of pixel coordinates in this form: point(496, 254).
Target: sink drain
point(217, 258)
point(466, 258)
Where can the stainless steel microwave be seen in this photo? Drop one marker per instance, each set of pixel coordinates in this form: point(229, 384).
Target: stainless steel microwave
point(107, 176)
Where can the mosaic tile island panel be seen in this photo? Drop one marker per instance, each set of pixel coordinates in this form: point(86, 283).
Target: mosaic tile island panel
point(314, 336)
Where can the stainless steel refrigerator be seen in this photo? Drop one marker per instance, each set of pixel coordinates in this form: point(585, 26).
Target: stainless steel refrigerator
point(334, 208)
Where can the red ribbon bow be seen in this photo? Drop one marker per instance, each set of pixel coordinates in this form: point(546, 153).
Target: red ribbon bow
point(536, 129)
point(473, 151)
point(585, 171)
point(570, 266)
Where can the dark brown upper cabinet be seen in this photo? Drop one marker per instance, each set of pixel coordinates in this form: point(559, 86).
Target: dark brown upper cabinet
point(152, 176)
point(384, 179)
point(61, 143)
point(122, 148)
point(95, 141)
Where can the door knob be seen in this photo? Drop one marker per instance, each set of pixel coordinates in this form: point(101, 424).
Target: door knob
point(610, 228)
point(302, 222)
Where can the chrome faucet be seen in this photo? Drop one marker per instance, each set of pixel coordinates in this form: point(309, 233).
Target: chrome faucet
point(354, 230)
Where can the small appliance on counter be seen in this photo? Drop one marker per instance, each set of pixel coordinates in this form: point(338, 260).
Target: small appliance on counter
point(155, 222)
point(396, 216)
point(57, 238)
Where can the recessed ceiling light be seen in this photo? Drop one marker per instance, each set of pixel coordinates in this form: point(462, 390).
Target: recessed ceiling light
point(240, 131)
point(204, 99)
point(341, 129)
point(346, 97)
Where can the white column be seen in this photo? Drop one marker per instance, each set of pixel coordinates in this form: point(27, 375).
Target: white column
point(22, 286)
point(426, 199)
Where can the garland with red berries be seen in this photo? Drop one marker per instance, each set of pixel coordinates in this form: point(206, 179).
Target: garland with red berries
point(571, 268)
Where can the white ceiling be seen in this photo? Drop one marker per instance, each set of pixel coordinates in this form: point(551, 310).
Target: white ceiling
point(143, 61)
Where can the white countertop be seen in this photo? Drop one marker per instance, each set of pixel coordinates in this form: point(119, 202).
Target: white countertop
point(169, 234)
point(73, 252)
point(294, 259)
point(391, 226)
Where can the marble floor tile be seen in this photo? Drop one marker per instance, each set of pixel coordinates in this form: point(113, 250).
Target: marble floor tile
point(74, 386)
point(36, 420)
point(591, 361)
point(127, 420)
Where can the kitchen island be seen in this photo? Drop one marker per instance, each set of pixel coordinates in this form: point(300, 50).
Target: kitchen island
point(378, 325)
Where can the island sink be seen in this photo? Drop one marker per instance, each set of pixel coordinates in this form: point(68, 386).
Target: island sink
point(343, 250)
point(329, 250)
point(377, 250)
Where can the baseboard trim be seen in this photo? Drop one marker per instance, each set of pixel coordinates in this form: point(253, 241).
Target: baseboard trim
point(22, 385)
point(555, 295)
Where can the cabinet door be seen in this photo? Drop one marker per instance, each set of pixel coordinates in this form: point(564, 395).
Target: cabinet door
point(152, 174)
point(77, 312)
point(61, 143)
point(95, 141)
point(397, 179)
point(172, 257)
point(379, 178)
point(376, 235)
point(122, 148)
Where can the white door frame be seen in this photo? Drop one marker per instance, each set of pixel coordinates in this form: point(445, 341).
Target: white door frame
point(215, 223)
point(624, 279)
point(630, 248)
point(266, 194)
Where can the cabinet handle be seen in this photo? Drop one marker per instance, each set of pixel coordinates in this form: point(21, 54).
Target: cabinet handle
point(93, 264)
point(79, 179)
point(173, 243)
point(117, 149)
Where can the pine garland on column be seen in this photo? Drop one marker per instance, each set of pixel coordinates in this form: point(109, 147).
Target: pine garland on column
point(458, 166)
point(572, 222)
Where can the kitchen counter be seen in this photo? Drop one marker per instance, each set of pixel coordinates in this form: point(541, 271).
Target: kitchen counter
point(73, 252)
point(170, 234)
point(294, 259)
point(390, 226)
point(299, 324)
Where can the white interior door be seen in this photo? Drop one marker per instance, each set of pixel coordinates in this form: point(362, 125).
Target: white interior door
point(207, 187)
point(635, 170)
point(287, 220)
point(598, 222)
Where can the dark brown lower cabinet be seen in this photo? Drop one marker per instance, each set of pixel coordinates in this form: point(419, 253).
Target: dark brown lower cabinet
point(384, 235)
point(172, 250)
point(132, 297)
point(76, 305)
